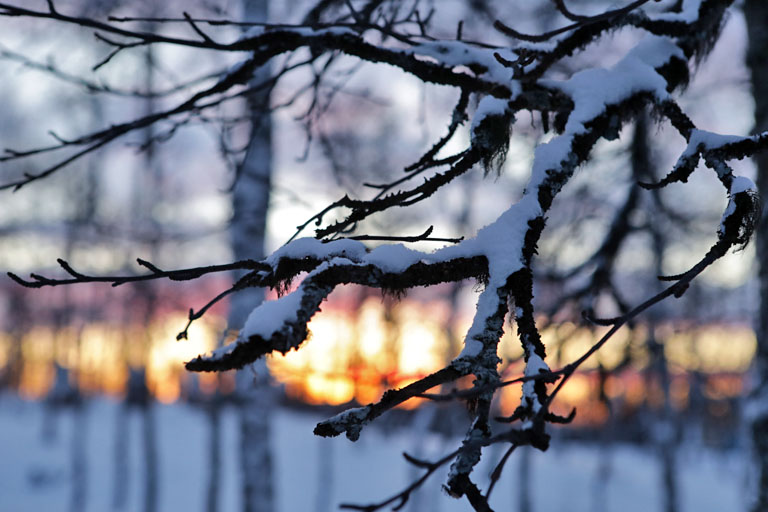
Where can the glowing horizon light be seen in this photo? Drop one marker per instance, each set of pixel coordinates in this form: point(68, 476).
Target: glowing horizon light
point(419, 344)
point(359, 348)
point(359, 354)
point(166, 355)
point(373, 336)
point(99, 355)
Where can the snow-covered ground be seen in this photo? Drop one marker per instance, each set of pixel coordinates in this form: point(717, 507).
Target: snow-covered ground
point(36, 476)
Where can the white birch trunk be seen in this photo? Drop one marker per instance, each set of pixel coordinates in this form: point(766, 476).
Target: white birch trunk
point(250, 199)
point(148, 193)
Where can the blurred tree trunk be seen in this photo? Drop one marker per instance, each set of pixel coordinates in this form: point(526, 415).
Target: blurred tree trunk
point(213, 413)
point(151, 191)
point(524, 475)
point(663, 428)
point(419, 431)
point(250, 200)
point(756, 14)
point(79, 469)
point(120, 459)
point(146, 194)
point(151, 463)
point(324, 495)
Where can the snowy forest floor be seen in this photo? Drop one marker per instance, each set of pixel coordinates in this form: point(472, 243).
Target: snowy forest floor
point(316, 474)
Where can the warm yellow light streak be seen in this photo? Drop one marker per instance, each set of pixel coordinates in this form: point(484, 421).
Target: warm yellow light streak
point(6, 343)
point(357, 355)
point(166, 355)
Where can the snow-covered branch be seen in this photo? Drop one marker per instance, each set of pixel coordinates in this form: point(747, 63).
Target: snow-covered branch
point(591, 104)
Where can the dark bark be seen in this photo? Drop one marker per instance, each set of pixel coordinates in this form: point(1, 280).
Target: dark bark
point(756, 14)
point(499, 257)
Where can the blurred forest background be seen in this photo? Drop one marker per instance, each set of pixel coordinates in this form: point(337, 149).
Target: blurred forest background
point(96, 410)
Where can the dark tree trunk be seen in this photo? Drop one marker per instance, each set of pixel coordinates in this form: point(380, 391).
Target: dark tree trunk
point(756, 14)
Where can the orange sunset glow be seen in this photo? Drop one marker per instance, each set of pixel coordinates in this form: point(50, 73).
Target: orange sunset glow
point(359, 349)
point(99, 356)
